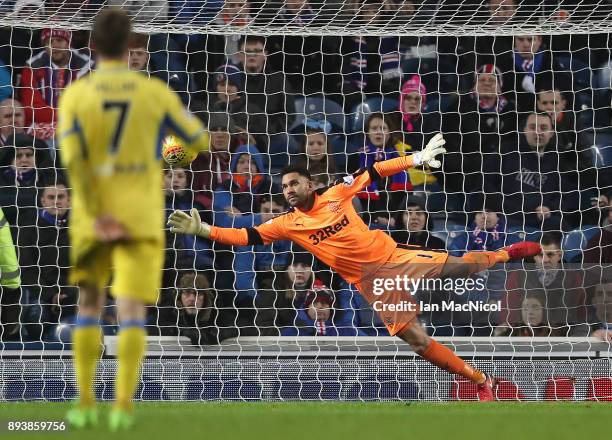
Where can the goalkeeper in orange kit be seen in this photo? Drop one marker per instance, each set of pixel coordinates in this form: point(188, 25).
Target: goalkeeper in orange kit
point(325, 222)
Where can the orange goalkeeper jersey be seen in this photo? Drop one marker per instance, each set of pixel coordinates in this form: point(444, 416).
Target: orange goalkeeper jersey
point(332, 230)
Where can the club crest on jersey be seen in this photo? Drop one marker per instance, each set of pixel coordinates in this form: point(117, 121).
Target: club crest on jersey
point(334, 206)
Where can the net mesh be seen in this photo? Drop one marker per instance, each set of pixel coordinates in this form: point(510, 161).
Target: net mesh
point(522, 95)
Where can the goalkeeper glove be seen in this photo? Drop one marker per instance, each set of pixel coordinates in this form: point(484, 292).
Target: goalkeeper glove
point(428, 155)
point(182, 223)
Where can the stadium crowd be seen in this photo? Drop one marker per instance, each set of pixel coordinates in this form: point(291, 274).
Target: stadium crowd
point(528, 125)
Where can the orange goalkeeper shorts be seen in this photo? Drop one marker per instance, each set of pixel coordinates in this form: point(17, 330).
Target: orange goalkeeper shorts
point(390, 290)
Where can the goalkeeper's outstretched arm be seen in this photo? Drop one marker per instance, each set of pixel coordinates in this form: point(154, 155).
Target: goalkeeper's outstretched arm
point(386, 168)
point(183, 223)
point(434, 147)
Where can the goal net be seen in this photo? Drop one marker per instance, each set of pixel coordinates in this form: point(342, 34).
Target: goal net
point(522, 93)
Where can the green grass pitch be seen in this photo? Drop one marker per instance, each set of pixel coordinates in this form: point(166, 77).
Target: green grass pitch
point(334, 421)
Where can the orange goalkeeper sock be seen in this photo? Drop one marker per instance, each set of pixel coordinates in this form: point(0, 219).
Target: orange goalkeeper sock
point(486, 259)
point(443, 357)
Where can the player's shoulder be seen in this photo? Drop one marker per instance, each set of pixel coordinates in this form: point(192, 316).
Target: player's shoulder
point(75, 92)
point(285, 216)
point(282, 219)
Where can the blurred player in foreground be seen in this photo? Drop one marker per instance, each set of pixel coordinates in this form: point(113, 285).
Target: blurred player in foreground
point(325, 222)
point(111, 127)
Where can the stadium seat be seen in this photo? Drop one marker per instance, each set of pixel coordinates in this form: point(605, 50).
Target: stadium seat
point(572, 245)
point(457, 242)
point(575, 241)
point(466, 390)
point(600, 389)
point(439, 102)
point(508, 390)
point(442, 227)
point(581, 72)
point(321, 109)
point(463, 390)
point(560, 388)
point(360, 112)
point(515, 234)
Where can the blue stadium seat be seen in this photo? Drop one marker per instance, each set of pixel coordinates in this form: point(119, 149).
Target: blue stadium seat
point(457, 242)
point(321, 109)
point(515, 234)
point(360, 112)
point(575, 241)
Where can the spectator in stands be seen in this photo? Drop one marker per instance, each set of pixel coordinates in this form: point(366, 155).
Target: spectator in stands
point(237, 203)
point(195, 314)
point(212, 169)
point(48, 73)
point(229, 97)
point(553, 102)
point(195, 12)
point(380, 195)
point(319, 317)
point(477, 126)
point(413, 225)
point(571, 139)
point(417, 126)
point(372, 65)
point(12, 119)
point(15, 54)
point(10, 282)
point(597, 212)
point(415, 123)
point(312, 63)
point(530, 64)
point(602, 312)
point(487, 232)
point(275, 256)
point(235, 13)
point(268, 90)
point(22, 162)
point(562, 287)
point(269, 261)
point(538, 182)
point(598, 258)
point(296, 13)
point(43, 255)
point(356, 312)
point(140, 60)
point(315, 149)
point(183, 252)
point(290, 288)
point(501, 11)
point(534, 321)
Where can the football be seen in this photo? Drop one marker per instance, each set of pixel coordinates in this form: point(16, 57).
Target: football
point(174, 154)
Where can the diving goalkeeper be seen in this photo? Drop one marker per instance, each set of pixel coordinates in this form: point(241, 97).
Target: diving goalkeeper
point(324, 222)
